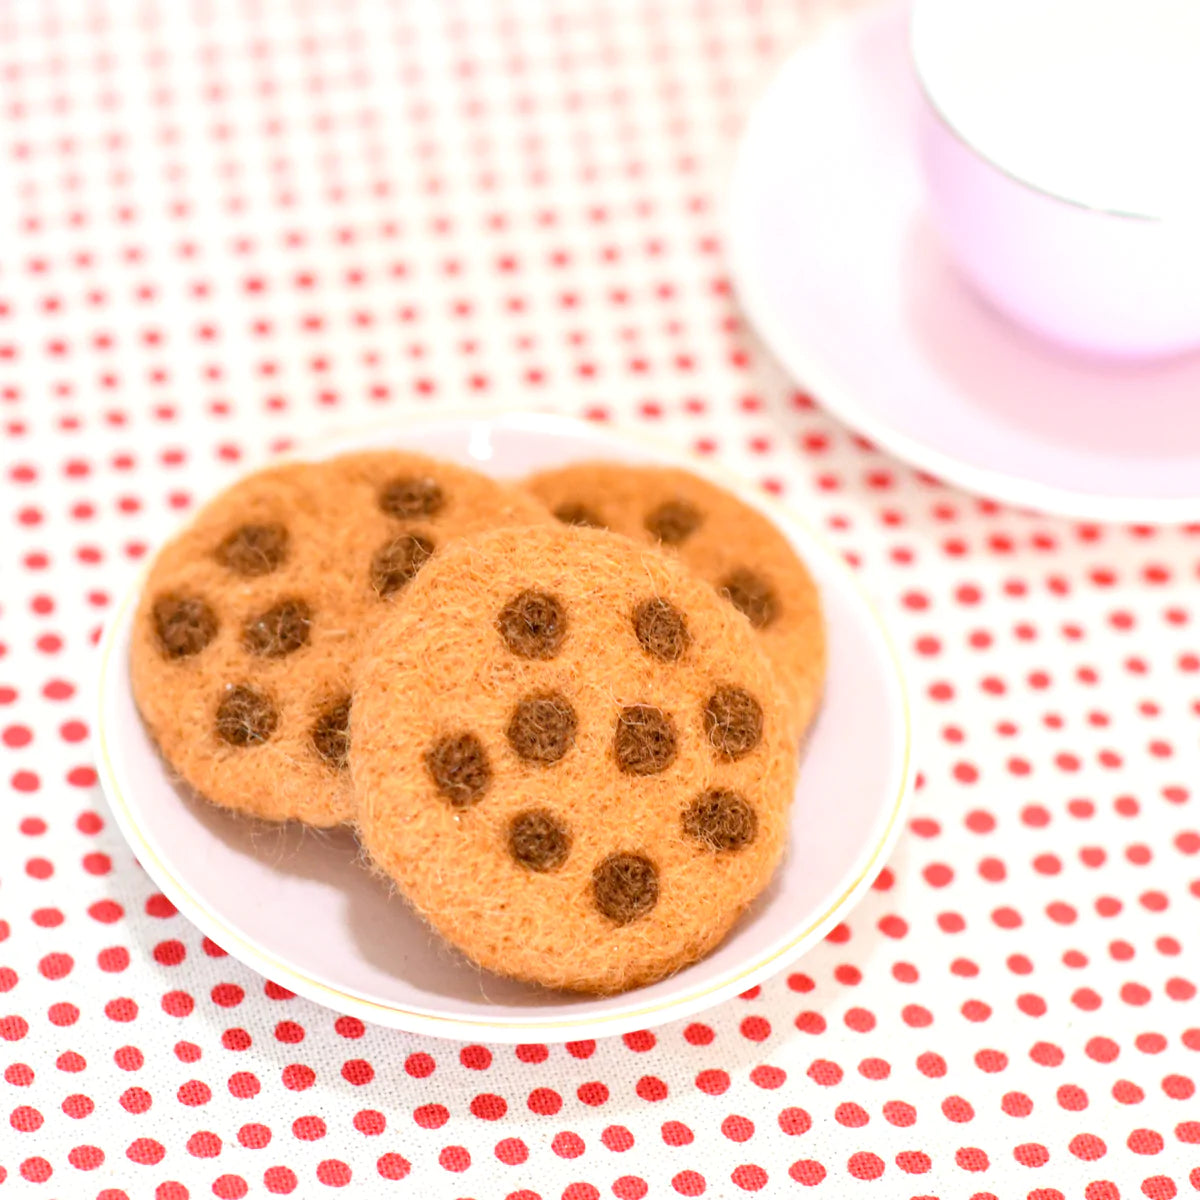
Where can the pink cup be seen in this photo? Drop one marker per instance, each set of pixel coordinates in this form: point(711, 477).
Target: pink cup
point(1069, 267)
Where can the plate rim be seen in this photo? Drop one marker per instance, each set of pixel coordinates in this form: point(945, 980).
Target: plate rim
point(515, 1029)
point(807, 367)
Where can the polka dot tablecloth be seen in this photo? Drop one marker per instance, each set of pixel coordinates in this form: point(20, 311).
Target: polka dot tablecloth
point(231, 226)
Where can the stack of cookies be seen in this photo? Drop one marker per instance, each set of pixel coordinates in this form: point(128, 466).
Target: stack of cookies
point(563, 717)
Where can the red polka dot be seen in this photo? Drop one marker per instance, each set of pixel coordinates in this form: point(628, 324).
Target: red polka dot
point(749, 1178)
point(713, 1082)
point(913, 1162)
point(145, 1151)
point(593, 1094)
point(332, 1172)
point(194, 1093)
point(349, 1027)
point(419, 1065)
point(62, 1014)
point(1087, 1146)
point(227, 995)
point(36, 1170)
point(13, 1028)
point(651, 1088)
point(580, 1191)
point(204, 1144)
point(392, 1166)
point(931, 1064)
point(358, 1072)
point(676, 1133)
point(1145, 1141)
point(25, 1119)
point(689, 1183)
point(544, 1101)
point(297, 1077)
point(178, 1004)
point(853, 1116)
point(1102, 1049)
point(768, 1077)
point(170, 953)
point(308, 1129)
point(243, 1085)
point(971, 1158)
point(1046, 1054)
point(511, 1151)
point(1031, 1154)
point(254, 1136)
point(567, 1145)
point(475, 1058)
point(85, 1158)
point(455, 1158)
point(236, 1039)
point(280, 1181)
point(1188, 1131)
point(431, 1116)
point(629, 1187)
point(1159, 1187)
point(807, 1171)
point(865, 1165)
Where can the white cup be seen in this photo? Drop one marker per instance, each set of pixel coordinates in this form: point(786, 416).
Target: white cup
point(1061, 145)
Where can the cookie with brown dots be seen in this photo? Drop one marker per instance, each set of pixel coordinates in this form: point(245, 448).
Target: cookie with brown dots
point(722, 540)
point(250, 620)
point(572, 757)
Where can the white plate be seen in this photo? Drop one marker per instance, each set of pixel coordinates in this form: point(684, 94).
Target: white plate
point(838, 269)
point(298, 907)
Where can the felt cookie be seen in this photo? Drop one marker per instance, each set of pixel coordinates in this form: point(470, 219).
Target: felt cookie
point(572, 757)
point(722, 540)
point(250, 620)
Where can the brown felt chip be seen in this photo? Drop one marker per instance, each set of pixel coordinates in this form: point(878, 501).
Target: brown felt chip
point(246, 717)
point(726, 541)
point(183, 625)
point(645, 743)
point(733, 720)
point(537, 840)
point(578, 514)
point(749, 593)
point(281, 630)
point(533, 624)
point(274, 586)
point(459, 768)
point(673, 521)
point(395, 563)
point(331, 733)
point(661, 629)
point(542, 728)
point(721, 820)
point(252, 550)
point(533, 767)
point(625, 887)
point(412, 496)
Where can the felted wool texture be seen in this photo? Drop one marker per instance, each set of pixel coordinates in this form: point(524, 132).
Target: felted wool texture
point(441, 672)
point(722, 540)
point(334, 525)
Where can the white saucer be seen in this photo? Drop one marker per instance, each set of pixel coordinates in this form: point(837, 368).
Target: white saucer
point(297, 907)
point(840, 273)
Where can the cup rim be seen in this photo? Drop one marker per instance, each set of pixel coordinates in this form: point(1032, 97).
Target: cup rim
point(931, 102)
